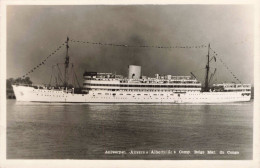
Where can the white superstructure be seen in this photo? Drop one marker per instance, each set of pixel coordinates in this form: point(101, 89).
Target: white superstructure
point(111, 88)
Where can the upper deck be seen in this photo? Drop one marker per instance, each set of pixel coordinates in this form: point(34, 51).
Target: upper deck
point(232, 87)
point(158, 79)
point(109, 81)
point(136, 82)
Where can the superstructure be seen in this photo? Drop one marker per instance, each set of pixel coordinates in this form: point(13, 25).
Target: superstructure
point(136, 88)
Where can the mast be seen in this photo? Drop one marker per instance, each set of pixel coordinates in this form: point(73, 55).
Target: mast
point(67, 60)
point(207, 72)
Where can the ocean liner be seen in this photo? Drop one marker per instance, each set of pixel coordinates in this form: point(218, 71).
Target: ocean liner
point(112, 88)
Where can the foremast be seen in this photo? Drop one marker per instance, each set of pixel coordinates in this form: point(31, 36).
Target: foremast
point(67, 60)
point(206, 88)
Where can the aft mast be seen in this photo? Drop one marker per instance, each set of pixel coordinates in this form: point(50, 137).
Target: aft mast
point(206, 89)
point(67, 60)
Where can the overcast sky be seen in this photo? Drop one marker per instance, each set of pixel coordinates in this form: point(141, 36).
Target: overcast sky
point(33, 32)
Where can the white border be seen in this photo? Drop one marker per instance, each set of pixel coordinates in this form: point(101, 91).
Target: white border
point(121, 163)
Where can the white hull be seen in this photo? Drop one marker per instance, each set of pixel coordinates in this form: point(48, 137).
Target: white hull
point(30, 94)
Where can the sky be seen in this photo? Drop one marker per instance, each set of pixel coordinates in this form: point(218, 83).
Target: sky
point(34, 32)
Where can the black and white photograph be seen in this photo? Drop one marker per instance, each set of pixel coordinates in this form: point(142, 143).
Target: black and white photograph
point(132, 82)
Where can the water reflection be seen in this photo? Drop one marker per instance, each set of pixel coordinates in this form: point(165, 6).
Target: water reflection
point(85, 131)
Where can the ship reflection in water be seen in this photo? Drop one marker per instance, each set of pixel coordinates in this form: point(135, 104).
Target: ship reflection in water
point(88, 131)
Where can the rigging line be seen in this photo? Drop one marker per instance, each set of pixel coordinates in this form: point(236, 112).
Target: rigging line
point(216, 55)
point(59, 74)
point(199, 69)
point(68, 75)
point(76, 78)
point(242, 41)
point(137, 46)
point(56, 81)
point(70, 72)
point(42, 62)
point(212, 75)
point(51, 75)
point(73, 77)
point(215, 80)
point(73, 80)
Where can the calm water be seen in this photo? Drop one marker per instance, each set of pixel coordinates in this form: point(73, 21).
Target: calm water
point(87, 131)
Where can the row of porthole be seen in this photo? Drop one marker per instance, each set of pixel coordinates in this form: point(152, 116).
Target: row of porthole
point(211, 95)
point(106, 98)
point(47, 91)
point(126, 98)
point(134, 94)
point(231, 98)
point(169, 98)
point(171, 94)
point(138, 90)
point(51, 95)
point(146, 86)
point(236, 90)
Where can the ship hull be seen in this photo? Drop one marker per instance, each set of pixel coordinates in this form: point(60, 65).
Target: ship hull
point(30, 94)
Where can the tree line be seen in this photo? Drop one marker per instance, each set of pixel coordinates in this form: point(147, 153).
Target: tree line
point(11, 81)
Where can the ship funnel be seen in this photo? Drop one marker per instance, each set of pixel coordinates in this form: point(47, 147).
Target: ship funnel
point(134, 72)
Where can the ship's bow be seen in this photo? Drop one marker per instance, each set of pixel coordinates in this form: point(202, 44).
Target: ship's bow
point(22, 93)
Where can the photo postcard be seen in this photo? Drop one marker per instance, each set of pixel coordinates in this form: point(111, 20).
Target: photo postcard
point(129, 83)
